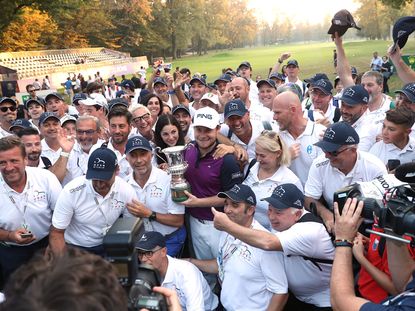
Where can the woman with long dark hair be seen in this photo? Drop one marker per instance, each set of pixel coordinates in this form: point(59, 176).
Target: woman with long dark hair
point(154, 104)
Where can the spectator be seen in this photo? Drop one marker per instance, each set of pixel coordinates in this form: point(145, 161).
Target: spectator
point(8, 113)
point(376, 62)
point(154, 104)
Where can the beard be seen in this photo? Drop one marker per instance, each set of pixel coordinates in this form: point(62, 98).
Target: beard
point(33, 156)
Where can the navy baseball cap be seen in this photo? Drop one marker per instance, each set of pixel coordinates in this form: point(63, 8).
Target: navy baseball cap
point(342, 21)
point(54, 94)
point(46, 116)
point(270, 82)
point(150, 240)
point(101, 164)
point(317, 76)
point(355, 95)
point(159, 80)
point(277, 75)
point(292, 62)
point(77, 97)
point(353, 70)
point(323, 85)
point(337, 135)
point(245, 64)
point(235, 107)
point(8, 100)
point(137, 142)
point(409, 91)
point(180, 107)
point(39, 101)
point(117, 102)
point(286, 196)
point(22, 123)
point(225, 78)
point(199, 79)
point(239, 193)
point(401, 31)
point(128, 84)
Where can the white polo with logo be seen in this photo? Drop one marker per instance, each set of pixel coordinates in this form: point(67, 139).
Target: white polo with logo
point(85, 215)
point(324, 180)
point(52, 155)
point(387, 152)
point(156, 195)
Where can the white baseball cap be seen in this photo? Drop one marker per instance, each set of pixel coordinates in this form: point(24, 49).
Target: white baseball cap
point(207, 117)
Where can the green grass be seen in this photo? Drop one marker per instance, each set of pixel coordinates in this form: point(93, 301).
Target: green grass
point(312, 58)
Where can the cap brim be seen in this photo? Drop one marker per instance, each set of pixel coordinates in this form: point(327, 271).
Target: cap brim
point(135, 148)
point(229, 195)
point(264, 82)
point(98, 175)
point(350, 102)
point(410, 96)
point(341, 30)
point(274, 202)
point(327, 146)
point(235, 113)
point(205, 125)
point(321, 89)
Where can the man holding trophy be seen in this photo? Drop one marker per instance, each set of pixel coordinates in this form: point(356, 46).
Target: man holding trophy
point(152, 186)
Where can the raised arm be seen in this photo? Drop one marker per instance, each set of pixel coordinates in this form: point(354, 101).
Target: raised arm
point(343, 67)
point(405, 73)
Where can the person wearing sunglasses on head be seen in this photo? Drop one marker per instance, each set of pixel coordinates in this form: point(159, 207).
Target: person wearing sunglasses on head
point(342, 164)
point(8, 113)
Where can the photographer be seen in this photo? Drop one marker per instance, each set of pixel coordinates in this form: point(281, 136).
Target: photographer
point(401, 265)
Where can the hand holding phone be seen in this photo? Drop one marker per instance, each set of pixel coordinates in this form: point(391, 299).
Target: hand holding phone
point(26, 235)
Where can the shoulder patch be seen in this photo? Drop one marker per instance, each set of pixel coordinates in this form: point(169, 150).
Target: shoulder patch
point(80, 187)
point(325, 162)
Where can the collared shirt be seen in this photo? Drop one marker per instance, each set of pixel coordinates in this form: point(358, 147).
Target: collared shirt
point(32, 207)
point(52, 155)
point(4, 133)
point(387, 152)
point(85, 215)
point(263, 189)
point(78, 159)
point(377, 116)
point(367, 132)
point(191, 287)
point(308, 152)
point(324, 179)
point(329, 114)
point(156, 195)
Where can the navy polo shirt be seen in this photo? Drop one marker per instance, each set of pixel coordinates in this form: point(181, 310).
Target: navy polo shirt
point(208, 176)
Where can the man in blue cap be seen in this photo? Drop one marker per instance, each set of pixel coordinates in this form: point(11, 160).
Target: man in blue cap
point(89, 205)
point(303, 240)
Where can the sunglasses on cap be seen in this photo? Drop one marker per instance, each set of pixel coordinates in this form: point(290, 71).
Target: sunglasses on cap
point(11, 108)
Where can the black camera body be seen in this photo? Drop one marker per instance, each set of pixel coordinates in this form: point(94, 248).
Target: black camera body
point(387, 198)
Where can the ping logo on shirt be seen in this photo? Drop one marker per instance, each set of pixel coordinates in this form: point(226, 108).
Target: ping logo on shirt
point(99, 164)
point(204, 115)
point(329, 134)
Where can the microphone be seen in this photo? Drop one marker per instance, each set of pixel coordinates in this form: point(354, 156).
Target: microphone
point(406, 172)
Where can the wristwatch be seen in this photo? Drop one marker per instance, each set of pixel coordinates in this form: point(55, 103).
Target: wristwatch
point(153, 216)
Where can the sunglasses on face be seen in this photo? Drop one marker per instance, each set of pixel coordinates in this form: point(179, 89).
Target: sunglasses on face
point(147, 254)
point(11, 108)
point(336, 153)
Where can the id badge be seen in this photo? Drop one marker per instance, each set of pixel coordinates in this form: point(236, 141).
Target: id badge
point(105, 230)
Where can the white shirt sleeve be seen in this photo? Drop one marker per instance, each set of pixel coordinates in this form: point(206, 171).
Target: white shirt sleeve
point(314, 186)
point(64, 211)
point(54, 189)
point(272, 266)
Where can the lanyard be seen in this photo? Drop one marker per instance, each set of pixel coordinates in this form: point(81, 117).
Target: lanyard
point(100, 209)
point(22, 211)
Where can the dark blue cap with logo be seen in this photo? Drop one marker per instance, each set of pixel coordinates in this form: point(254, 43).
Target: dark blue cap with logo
point(22, 123)
point(270, 82)
point(159, 80)
point(245, 64)
point(225, 78)
point(117, 102)
point(53, 94)
point(323, 85)
point(342, 21)
point(239, 193)
point(337, 135)
point(180, 107)
point(317, 76)
point(137, 142)
point(235, 107)
point(46, 116)
point(286, 196)
point(77, 97)
point(355, 95)
point(409, 91)
point(277, 75)
point(39, 101)
point(128, 84)
point(292, 62)
point(198, 79)
point(150, 240)
point(402, 28)
point(353, 70)
point(101, 164)
point(7, 100)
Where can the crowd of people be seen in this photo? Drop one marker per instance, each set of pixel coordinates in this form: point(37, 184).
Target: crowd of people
point(257, 229)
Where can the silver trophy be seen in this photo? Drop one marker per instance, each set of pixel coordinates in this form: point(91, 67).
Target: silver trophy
point(177, 167)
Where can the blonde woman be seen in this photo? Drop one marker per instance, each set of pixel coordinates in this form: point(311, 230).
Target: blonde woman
point(269, 171)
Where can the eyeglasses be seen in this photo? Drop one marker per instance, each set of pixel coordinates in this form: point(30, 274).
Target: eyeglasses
point(86, 132)
point(272, 135)
point(5, 108)
point(31, 91)
point(147, 254)
point(144, 117)
point(318, 94)
point(336, 153)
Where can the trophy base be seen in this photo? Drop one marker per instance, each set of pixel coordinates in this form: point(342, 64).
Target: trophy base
point(178, 195)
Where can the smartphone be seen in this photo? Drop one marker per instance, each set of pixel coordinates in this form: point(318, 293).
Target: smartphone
point(26, 235)
point(393, 163)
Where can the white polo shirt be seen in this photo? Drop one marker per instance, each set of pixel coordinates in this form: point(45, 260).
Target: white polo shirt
point(4, 133)
point(51, 154)
point(249, 275)
point(324, 180)
point(329, 114)
point(305, 279)
point(85, 215)
point(263, 189)
point(156, 195)
point(377, 116)
point(386, 152)
point(33, 206)
point(367, 132)
point(258, 112)
point(78, 159)
point(191, 287)
point(312, 133)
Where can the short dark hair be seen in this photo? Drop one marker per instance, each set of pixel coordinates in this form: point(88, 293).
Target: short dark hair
point(27, 131)
point(10, 142)
point(76, 281)
point(93, 86)
point(29, 86)
point(120, 111)
point(401, 116)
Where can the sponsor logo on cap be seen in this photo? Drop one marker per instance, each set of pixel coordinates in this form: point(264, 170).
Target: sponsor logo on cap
point(144, 238)
point(233, 106)
point(279, 191)
point(99, 164)
point(235, 189)
point(349, 92)
point(250, 199)
point(329, 134)
point(401, 33)
point(350, 139)
point(204, 115)
point(298, 203)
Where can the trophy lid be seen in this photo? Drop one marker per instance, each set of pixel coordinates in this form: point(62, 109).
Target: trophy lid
point(174, 149)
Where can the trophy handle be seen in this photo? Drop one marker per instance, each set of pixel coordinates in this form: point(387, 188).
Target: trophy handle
point(158, 149)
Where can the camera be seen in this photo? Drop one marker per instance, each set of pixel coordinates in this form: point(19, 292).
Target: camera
point(387, 198)
point(137, 280)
